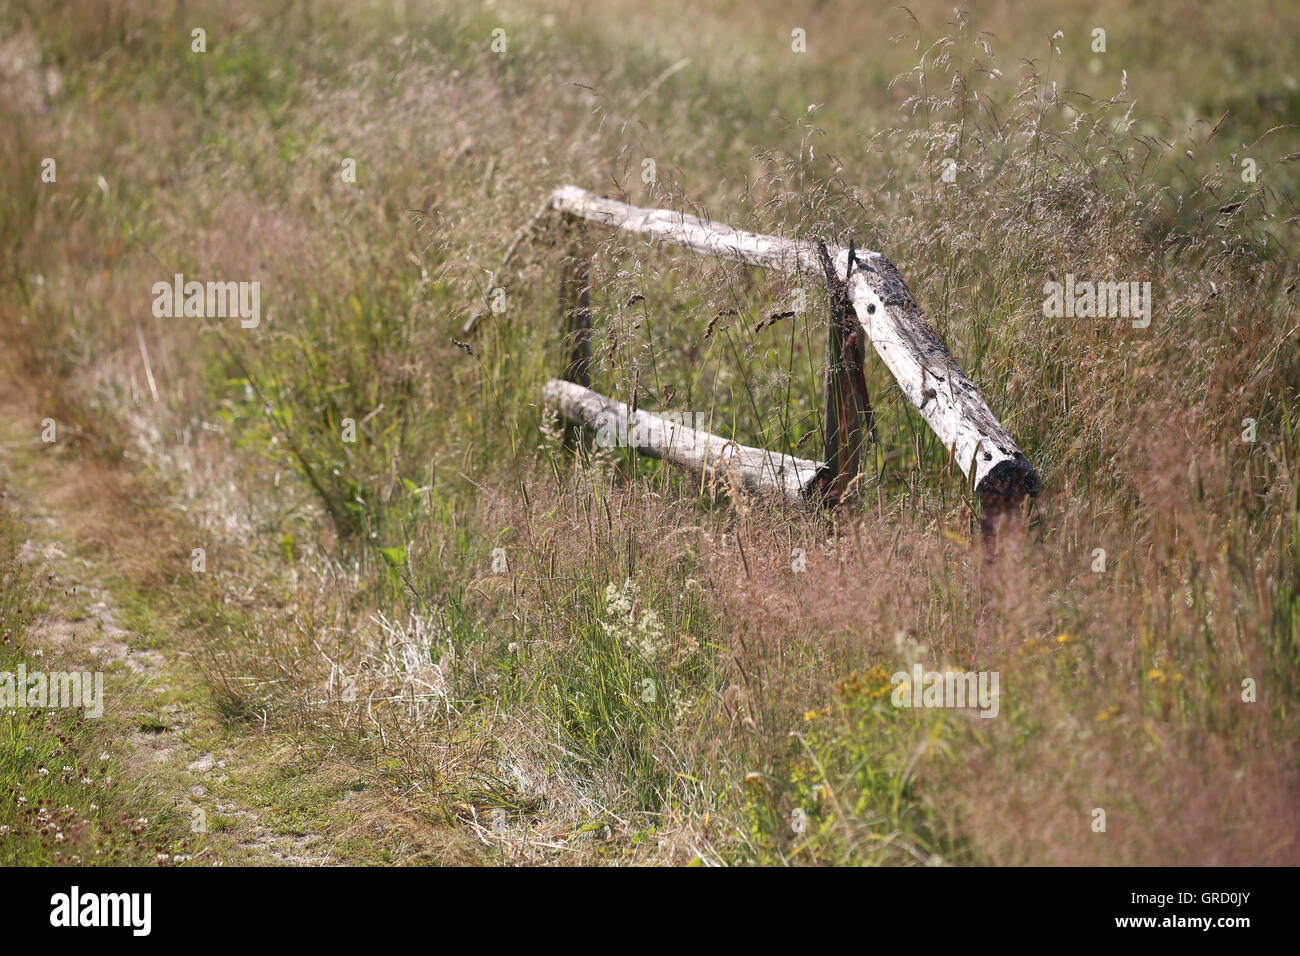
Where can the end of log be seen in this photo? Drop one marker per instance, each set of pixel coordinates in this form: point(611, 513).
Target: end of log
point(1002, 491)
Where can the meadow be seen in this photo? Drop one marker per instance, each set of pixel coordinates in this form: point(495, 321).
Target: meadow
point(455, 636)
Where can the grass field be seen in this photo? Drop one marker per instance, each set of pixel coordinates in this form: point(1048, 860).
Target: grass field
point(652, 676)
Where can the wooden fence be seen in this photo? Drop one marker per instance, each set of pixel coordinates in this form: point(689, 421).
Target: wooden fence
point(869, 300)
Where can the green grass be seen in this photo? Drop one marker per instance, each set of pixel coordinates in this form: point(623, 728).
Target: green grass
point(65, 796)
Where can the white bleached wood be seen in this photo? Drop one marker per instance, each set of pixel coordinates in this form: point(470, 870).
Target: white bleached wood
point(711, 238)
point(756, 469)
point(951, 404)
point(929, 376)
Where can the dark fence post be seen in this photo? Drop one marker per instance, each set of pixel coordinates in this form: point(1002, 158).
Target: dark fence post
point(575, 310)
point(575, 303)
point(848, 405)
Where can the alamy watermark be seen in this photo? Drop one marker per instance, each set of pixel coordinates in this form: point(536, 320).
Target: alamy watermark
point(922, 688)
point(54, 689)
point(213, 300)
point(1087, 299)
point(133, 911)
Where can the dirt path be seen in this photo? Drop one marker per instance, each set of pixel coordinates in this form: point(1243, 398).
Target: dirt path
point(87, 522)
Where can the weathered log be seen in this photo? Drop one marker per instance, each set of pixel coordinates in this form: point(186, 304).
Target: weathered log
point(711, 238)
point(951, 404)
point(755, 469)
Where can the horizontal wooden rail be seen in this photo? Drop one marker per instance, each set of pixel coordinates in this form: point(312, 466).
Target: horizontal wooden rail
point(711, 238)
point(951, 404)
point(756, 469)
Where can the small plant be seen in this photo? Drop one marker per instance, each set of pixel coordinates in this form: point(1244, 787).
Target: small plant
point(643, 632)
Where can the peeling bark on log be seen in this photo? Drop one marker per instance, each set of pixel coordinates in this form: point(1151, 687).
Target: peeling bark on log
point(929, 376)
point(711, 238)
point(755, 469)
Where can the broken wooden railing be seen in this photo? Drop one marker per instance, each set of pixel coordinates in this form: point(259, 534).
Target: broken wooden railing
point(868, 299)
point(659, 436)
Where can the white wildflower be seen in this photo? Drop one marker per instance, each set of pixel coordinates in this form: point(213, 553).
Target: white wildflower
point(642, 633)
